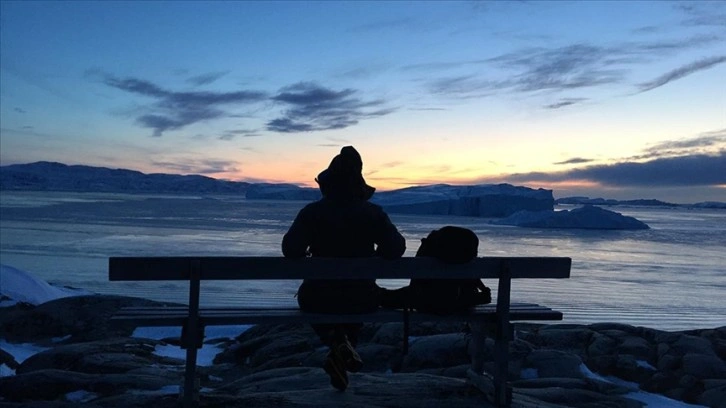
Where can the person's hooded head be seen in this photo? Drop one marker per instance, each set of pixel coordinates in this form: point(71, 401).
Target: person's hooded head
point(343, 179)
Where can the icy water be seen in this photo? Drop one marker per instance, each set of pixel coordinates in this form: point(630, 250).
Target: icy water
point(670, 277)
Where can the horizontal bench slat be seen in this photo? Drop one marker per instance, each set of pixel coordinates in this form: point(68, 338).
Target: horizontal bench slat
point(184, 310)
point(225, 316)
point(378, 318)
point(228, 268)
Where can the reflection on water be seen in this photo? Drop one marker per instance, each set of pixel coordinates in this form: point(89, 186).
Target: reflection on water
point(672, 276)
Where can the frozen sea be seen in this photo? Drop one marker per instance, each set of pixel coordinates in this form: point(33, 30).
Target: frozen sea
point(670, 277)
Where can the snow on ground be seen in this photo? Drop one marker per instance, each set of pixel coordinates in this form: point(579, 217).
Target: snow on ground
point(18, 286)
point(168, 390)
point(651, 400)
point(80, 396)
point(20, 353)
point(205, 355)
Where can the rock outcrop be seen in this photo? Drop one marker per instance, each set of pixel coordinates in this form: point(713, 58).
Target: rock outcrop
point(551, 365)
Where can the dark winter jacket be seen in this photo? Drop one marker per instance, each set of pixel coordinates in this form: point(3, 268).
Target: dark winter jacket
point(343, 228)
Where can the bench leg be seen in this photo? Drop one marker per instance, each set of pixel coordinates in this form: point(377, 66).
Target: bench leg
point(192, 338)
point(190, 392)
point(477, 346)
point(502, 391)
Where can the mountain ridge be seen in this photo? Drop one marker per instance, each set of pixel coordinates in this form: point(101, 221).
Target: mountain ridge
point(55, 176)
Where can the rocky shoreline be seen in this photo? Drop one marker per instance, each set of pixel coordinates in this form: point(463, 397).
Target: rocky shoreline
point(91, 363)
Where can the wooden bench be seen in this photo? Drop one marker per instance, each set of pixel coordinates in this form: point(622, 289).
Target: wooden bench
point(193, 319)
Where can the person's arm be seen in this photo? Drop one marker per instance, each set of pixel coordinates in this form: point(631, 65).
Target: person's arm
point(390, 242)
point(296, 241)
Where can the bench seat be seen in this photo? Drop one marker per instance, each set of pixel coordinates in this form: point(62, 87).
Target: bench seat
point(275, 307)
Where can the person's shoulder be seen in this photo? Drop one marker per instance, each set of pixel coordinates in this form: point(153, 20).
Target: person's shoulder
point(314, 205)
point(375, 208)
point(373, 205)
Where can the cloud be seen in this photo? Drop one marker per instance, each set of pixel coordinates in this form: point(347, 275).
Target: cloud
point(647, 30)
point(428, 109)
point(653, 49)
point(286, 125)
point(575, 160)
point(336, 142)
point(38, 79)
point(206, 79)
point(565, 102)
point(385, 25)
point(365, 72)
point(704, 14)
point(705, 140)
point(554, 69)
point(341, 141)
point(569, 67)
point(392, 164)
point(682, 72)
point(313, 108)
point(174, 110)
point(464, 87)
point(440, 66)
point(704, 143)
point(232, 134)
point(692, 170)
point(532, 70)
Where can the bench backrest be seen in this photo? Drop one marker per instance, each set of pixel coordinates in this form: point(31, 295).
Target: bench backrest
point(241, 268)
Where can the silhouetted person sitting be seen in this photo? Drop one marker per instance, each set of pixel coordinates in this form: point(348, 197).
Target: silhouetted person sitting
point(341, 224)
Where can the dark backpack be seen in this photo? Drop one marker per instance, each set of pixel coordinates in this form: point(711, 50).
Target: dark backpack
point(449, 244)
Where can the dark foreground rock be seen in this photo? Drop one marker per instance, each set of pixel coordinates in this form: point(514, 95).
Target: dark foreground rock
point(72, 319)
point(98, 365)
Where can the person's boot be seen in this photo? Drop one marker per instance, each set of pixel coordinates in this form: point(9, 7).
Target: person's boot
point(335, 367)
point(350, 357)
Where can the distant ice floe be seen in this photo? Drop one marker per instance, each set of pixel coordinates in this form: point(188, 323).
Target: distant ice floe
point(268, 191)
point(522, 206)
point(485, 200)
point(17, 286)
point(587, 217)
point(648, 202)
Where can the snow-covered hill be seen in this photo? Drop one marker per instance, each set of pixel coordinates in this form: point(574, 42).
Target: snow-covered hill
point(50, 176)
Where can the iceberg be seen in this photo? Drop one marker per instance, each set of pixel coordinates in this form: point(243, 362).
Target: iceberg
point(709, 204)
point(268, 191)
point(587, 217)
point(484, 200)
point(650, 202)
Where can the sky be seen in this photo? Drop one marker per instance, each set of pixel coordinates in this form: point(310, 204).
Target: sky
point(613, 99)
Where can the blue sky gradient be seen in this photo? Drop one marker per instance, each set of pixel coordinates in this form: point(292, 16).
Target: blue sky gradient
point(617, 99)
